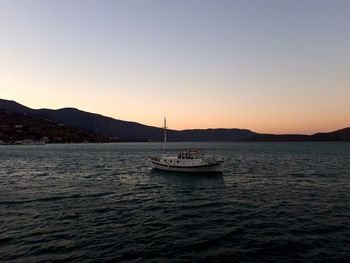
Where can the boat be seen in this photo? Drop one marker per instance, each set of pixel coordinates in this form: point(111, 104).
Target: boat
point(192, 161)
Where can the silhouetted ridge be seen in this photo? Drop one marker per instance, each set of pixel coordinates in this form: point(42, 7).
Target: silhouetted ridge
point(13, 106)
point(16, 127)
point(133, 131)
point(340, 135)
point(211, 134)
point(124, 130)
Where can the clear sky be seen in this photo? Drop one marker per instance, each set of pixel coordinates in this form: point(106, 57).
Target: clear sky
point(269, 66)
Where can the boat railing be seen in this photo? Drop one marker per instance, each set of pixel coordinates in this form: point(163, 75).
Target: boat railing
point(157, 159)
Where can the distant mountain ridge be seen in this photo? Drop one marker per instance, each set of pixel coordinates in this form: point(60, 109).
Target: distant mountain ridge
point(339, 135)
point(123, 130)
point(133, 131)
point(19, 127)
point(219, 134)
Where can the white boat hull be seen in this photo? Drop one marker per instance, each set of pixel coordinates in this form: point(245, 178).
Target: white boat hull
point(212, 168)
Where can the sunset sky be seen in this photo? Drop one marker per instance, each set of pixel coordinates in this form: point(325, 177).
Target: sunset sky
point(269, 66)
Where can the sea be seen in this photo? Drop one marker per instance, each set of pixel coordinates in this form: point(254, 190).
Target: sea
point(274, 202)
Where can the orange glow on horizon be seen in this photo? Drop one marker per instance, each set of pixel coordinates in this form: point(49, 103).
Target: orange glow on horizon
point(180, 120)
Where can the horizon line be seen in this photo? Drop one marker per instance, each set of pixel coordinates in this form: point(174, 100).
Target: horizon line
point(160, 127)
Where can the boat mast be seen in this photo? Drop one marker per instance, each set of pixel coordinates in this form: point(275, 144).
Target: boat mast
point(165, 133)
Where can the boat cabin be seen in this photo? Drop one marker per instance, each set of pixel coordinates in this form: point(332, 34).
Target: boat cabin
point(189, 155)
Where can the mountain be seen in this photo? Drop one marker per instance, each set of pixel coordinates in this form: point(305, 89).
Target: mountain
point(15, 127)
point(89, 124)
point(340, 135)
point(123, 130)
point(203, 135)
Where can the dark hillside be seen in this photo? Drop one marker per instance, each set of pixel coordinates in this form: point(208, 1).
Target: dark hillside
point(16, 127)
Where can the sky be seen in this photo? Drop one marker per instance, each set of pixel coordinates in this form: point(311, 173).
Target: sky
point(270, 66)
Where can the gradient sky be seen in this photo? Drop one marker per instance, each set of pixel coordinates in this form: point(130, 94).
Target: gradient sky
point(269, 66)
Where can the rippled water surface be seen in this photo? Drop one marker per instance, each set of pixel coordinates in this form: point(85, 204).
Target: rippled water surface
point(275, 202)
